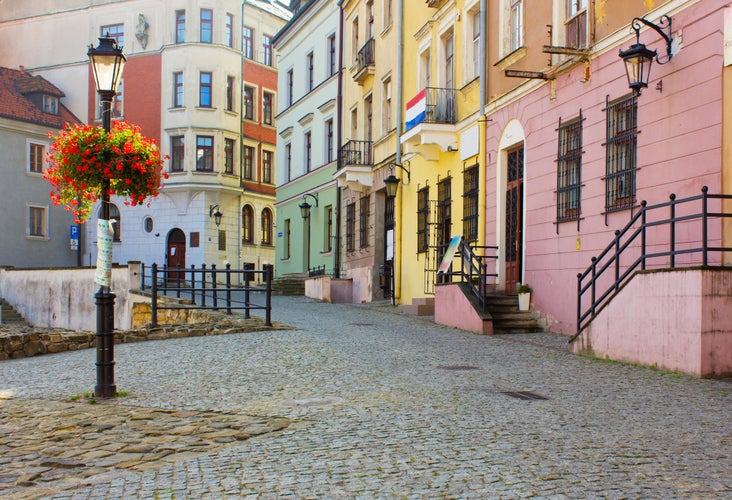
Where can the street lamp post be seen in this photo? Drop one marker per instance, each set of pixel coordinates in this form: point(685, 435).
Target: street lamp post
point(107, 62)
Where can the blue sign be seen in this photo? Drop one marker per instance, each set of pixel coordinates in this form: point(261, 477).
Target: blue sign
point(279, 234)
point(74, 232)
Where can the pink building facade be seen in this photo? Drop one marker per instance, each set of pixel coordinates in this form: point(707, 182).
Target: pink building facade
point(548, 234)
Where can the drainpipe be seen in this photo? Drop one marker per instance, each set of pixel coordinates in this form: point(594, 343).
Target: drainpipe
point(397, 292)
point(482, 122)
point(339, 135)
point(241, 136)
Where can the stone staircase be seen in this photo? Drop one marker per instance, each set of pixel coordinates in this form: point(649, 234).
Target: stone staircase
point(508, 319)
point(8, 314)
point(289, 284)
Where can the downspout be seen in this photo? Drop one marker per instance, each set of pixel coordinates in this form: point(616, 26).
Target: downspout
point(397, 292)
point(339, 134)
point(482, 123)
point(241, 137)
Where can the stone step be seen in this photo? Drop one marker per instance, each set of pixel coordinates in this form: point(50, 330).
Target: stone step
point(508, 319)
point(8, 314)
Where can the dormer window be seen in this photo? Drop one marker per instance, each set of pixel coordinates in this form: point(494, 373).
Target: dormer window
point(50, 104)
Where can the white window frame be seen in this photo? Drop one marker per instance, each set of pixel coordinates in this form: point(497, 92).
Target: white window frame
point(28, 144)
point(45, 232)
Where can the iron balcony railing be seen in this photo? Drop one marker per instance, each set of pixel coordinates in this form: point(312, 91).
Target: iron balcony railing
point(440, 106)
point(356, 153)
point(365, 55)
point(667, 235)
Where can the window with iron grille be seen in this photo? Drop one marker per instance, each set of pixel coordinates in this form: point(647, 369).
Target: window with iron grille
point(569, 169)
point(444, 210)
point(363, 222)
point(471, 191)
point(350, 227)
point(423, 213)
point(620, 153)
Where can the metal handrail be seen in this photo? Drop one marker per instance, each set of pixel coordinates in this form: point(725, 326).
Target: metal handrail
point(472, 269)
point(634, 236)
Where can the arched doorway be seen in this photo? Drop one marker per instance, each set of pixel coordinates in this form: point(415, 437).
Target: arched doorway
point(175, 255)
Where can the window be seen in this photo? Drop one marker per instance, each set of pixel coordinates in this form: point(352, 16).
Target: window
point(516, 25)
point(228, 156)
point(308, 151)
point(178, 89)
point(247, 42)
point(36, 157)
point(370, 18)
point(290, 83)
point(288, 162)
point(267, 167)
point(37, 222)
point(286, 249)
point(354, 39)
point(204, 153)
point(328, 229)
point(206, 25)
point(388, 15)
point(180, 26)
point(248, 163)
point(569, 169)
point(148, 224)
point(311, 71)
point(247, 225)
point(267, 50)
point(476, 43)
point(230, 93)
point(471, 190)
point(117, 226)
point(425, 69)
point(449, 47)
point(386, 105)
point(177, 151)
point(267, 227)
point(363, 222)
point(576, 24)
point(50, 104)
point(229, 30)
point(267, 100)
point(444, 211)
point(222, 240)
point(329, 144)
point(620, 153)
point(204, 93)
point(248, 102)
point(118, 102)
point(350, 226)
point(116, 31)
point(423, 212)
point(332, 55)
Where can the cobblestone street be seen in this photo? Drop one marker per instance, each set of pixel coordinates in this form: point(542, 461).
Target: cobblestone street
point(364, 402)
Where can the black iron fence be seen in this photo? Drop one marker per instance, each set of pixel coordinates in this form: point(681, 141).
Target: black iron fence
point(472, 265)
point(209, 288)
point(679, 235)
point(356, 153)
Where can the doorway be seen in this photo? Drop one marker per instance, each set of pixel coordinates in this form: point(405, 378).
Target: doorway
point(514, 217)
point(176, 253)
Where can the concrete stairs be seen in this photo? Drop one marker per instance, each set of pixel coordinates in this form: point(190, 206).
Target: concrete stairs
point(508, 319)
point(289, 284)
point(8, 314)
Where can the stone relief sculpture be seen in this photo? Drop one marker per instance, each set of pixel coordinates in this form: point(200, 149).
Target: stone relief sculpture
point(141, 30)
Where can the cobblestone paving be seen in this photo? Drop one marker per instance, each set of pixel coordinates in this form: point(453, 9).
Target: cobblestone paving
point(385, 405)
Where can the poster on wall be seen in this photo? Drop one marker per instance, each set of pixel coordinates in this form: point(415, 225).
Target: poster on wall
point(449, 254)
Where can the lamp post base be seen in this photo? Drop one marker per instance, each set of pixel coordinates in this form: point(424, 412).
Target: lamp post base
point(105, 387)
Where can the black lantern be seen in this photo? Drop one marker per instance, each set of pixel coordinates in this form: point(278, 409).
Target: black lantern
point(107, 61)
point(638, 58)
point(391, 183)
point(213, 211)
point(305, 209)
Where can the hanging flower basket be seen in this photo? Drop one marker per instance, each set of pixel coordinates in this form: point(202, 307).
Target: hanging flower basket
point(82, 157)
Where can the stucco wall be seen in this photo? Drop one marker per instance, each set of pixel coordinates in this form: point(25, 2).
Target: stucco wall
point(64, 298)
point(672, 319)
point(452, 308)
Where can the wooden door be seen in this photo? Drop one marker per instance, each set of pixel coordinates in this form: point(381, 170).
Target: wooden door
point(176, 253)
point(514, 220)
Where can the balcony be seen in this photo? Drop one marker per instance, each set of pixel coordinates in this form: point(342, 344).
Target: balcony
point(365, 61)
point(355, 160)
point(430, 119)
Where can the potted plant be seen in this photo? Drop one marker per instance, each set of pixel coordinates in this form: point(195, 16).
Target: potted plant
point(524, 296)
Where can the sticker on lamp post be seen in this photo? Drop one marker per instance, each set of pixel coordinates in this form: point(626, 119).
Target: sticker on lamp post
point(105, 235)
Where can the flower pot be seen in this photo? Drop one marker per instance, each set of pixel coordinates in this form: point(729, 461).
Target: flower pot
point(524, 301)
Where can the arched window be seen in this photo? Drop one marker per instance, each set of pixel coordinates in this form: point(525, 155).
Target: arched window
point(114, 217)
point(266, 226)
point(247, 224)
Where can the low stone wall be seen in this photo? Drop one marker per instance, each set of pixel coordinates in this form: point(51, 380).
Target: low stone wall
point(21, 340)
